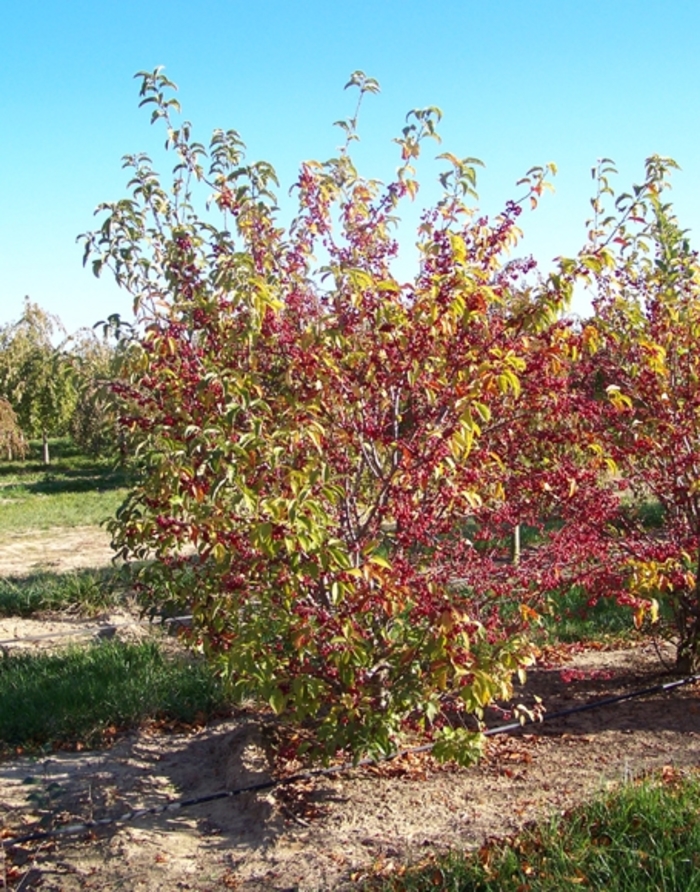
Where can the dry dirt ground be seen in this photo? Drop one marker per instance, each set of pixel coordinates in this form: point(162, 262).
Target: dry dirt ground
point(55, 550)
point(327, 832)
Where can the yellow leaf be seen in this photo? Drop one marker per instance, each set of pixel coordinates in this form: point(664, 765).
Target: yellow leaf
point(380, 561)
point(639, 617)
point(277, 701)
point(459, 249)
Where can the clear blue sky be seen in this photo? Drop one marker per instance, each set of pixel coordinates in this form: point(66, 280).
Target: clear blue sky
point(520, 82)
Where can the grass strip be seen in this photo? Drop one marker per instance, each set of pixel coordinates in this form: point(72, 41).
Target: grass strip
point(74, 490)
point(65, 455)
point(645, 836)
point(84, 695)
point(23, 510)
point(83, 592)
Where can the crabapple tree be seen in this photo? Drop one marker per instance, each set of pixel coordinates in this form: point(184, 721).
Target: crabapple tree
point(324, 449)
point(643, 378)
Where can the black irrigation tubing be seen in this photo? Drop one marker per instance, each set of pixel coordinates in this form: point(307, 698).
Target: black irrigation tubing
point(596, 704)
point(137, 814)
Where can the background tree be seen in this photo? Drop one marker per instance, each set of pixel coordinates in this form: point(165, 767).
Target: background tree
point(36, 377)
point(12, 440)
point(93, 423)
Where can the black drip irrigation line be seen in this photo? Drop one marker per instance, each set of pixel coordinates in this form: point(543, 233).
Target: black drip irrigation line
point(595, 704)
point(137, 814)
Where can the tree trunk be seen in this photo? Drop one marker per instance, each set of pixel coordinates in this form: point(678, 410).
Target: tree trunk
point(45, 443)
point(688, 624)
point(515, 545)
point(687, 658)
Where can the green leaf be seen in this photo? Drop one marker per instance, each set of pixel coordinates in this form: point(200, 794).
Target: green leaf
point(277, 701)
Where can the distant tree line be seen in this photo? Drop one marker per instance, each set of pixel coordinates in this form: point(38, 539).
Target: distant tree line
point(53, 384)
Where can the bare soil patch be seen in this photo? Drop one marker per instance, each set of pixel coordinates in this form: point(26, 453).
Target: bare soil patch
point(50, 630)
point(59, 550)
point(323, 833)
point(56, 550)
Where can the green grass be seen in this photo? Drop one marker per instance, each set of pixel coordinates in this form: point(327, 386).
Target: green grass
point(74, 490)
point(84, 592)
point(572, 619)
point(81, 695)
point(643, 837)
point(651, 513)
point(36, 512)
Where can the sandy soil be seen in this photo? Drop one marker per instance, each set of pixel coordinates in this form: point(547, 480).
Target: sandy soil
point(56, 550)
point(55, 630)
point(327, 832)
